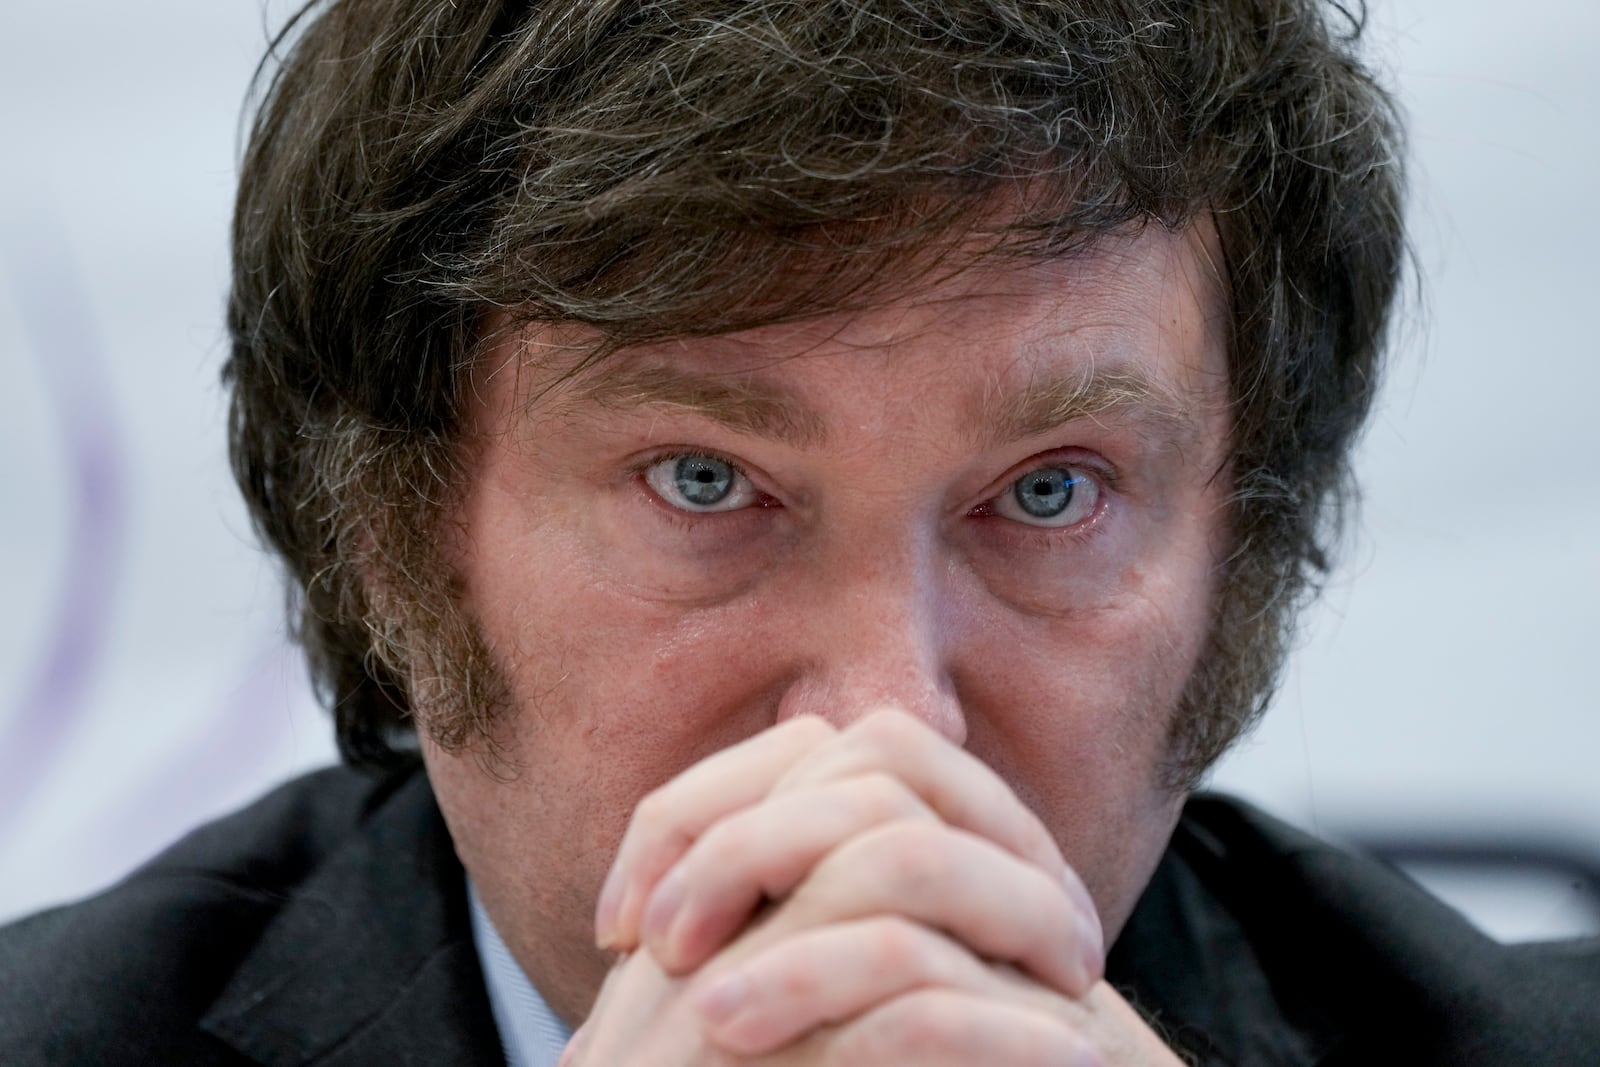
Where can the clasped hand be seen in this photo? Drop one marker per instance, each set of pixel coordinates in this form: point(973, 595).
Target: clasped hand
point(871, 895)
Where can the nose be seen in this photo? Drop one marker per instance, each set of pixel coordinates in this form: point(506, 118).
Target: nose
point(878, 629)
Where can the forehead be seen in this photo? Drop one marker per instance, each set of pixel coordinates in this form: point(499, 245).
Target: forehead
point(1134, 322)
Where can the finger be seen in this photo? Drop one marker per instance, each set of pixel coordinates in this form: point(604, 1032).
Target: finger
point(762, 852)
point(572, 1055)
point(1118, 1032)
point(830, 975)
point(938, 1027)
point(962, 789)
point(668, 820)
point(997, 905)
point(579, 1048)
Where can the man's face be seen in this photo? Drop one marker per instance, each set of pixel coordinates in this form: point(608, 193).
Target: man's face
point(994, 503)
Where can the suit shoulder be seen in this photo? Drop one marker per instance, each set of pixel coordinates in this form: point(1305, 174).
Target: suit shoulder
point(1359, 938)
point(122, 976)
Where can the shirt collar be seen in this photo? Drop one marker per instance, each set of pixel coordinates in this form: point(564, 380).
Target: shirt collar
point(530, 1032)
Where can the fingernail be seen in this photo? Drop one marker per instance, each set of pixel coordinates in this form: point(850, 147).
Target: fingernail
point(664, 904)
point(725, 996)
point(1091, 915)
point(607, 911)
point(1094, 949)
point(1078, 891)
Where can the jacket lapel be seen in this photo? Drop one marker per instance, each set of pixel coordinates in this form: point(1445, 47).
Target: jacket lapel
point(371, 960)
point(1191, 960)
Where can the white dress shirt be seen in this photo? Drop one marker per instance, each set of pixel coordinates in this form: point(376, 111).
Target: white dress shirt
point(529, 1031)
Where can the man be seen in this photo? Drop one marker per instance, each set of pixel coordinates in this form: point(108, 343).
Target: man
point(793, 496)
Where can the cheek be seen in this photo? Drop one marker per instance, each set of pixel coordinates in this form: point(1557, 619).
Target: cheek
point(624, 690)
point(1097, 686)
point(1076, 714)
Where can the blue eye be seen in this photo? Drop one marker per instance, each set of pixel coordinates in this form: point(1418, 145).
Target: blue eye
point(1050, 496)
point(700, 483)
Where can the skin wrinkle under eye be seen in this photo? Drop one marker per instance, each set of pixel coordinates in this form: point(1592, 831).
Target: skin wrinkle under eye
point(1044, 595)
point(699, 539)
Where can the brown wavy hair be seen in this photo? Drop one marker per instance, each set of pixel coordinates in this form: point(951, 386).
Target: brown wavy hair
point(671, 168)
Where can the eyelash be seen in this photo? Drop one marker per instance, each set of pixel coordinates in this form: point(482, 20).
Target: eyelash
point(693, 520)
point(1079, 531)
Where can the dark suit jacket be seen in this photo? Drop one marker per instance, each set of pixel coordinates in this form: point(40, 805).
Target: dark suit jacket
point(327, 925)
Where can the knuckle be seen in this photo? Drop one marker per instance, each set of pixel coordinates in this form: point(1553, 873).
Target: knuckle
point(800, 981)
point(655, 821)
point(653, 811)
point(884, 798)
point(723, 845)
point(897, 946)
point(809, 729)
point(912, 856)
point(887, 729)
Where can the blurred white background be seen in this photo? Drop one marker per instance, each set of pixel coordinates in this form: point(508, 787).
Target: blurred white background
point(1445, 687)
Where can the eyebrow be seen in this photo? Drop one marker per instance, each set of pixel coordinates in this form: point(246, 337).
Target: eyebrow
point(1003, 416)
point(1044, 405)
point(741, 405)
